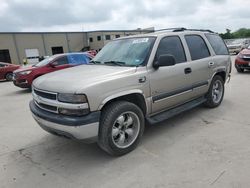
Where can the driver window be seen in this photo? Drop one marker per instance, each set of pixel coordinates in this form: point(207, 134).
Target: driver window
point(172, 45)
point(62, 61)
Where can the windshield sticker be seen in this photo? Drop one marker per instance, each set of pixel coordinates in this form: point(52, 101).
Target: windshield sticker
point(140, 40)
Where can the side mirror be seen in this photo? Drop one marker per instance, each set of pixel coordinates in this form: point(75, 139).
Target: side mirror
point(165, 60)
point(54, 64)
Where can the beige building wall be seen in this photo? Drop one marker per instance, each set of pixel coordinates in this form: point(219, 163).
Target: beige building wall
point(55, 40)
point(16, 43)
point(77, 41)
point(7, 43)
point(29, 41)
point(96, 45)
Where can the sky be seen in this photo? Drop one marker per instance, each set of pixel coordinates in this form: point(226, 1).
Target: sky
point(83, 15)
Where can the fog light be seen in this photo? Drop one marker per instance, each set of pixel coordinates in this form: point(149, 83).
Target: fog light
point(73, 112)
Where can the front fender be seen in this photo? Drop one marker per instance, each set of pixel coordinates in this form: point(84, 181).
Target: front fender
point(120, 94)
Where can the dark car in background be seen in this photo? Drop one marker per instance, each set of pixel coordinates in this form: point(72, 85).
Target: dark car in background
point(24, 77)
point(242, 60)
point(6, 70)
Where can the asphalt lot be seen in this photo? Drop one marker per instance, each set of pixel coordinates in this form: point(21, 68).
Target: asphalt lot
point(200, 148)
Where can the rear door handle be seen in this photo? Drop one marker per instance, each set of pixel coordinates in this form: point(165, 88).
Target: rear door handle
point(187, 70)
point(210, 64)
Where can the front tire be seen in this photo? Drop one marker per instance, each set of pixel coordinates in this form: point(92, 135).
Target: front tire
point(240, 70)
point(121, 128)
point(215, 93)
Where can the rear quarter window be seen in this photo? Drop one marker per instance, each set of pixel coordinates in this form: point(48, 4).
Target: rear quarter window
point(217, 44)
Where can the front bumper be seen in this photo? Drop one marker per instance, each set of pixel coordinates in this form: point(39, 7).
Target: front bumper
point(80, 128)
point(241, 63)
point(21, 84)
point(21, 81)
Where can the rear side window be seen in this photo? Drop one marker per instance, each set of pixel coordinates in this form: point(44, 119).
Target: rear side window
point(78, 59)
point(62, 60)
point(172, 45)
point(217, 44)
point(197, 47)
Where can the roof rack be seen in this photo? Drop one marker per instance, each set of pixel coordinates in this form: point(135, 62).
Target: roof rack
point(179, 29)
point(202, 30)
point(172, 29)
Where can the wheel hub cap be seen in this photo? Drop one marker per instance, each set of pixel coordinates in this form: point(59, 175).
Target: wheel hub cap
point(125, 129)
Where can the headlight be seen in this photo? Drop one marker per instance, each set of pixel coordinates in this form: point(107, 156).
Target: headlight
point(72, 98)
point(240, 56)
point(25, 72)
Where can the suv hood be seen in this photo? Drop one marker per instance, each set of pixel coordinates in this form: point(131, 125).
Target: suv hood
point(75, 79)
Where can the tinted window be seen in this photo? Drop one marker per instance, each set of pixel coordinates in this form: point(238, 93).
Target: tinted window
point(107, 37)
point(62, 60)
point(197, 47)
point(78, 59)
point(217, 44)
point(173, 46)
point(2, 65)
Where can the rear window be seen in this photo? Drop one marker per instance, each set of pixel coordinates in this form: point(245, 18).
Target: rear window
point(217, 44)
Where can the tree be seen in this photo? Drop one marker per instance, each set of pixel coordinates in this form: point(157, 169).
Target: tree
point(240, 33)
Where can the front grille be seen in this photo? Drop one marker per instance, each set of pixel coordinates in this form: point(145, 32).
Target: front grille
point(246, 58)
point(47, 107)
point(46, 95)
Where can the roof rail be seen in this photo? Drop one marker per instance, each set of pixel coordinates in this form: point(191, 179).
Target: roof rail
point(172, 29)
point(179, 29)
point(202, 30)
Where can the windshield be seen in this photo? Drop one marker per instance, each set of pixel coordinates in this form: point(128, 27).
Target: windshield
point(44, 62)
point(125, 52)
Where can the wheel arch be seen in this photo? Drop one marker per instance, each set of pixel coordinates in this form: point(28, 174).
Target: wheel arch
point(8, 73)
point(135, 96)
point(221, 73)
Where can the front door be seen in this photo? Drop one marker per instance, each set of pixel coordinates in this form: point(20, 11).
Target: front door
point(170, 86)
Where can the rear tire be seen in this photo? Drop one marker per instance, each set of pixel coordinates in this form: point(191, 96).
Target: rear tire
point(215, 93)
point(121, 128)
point(9, 76)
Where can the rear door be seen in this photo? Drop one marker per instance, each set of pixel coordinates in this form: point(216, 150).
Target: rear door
point(201, 64)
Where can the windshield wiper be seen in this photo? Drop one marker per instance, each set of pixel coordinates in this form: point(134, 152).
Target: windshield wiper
point(119, 63)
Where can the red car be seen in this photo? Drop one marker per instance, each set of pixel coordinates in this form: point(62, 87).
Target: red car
point(6, 71)
point(24, 77)
point(242, 60)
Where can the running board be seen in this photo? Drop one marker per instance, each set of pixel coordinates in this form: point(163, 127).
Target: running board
point(174, 111)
